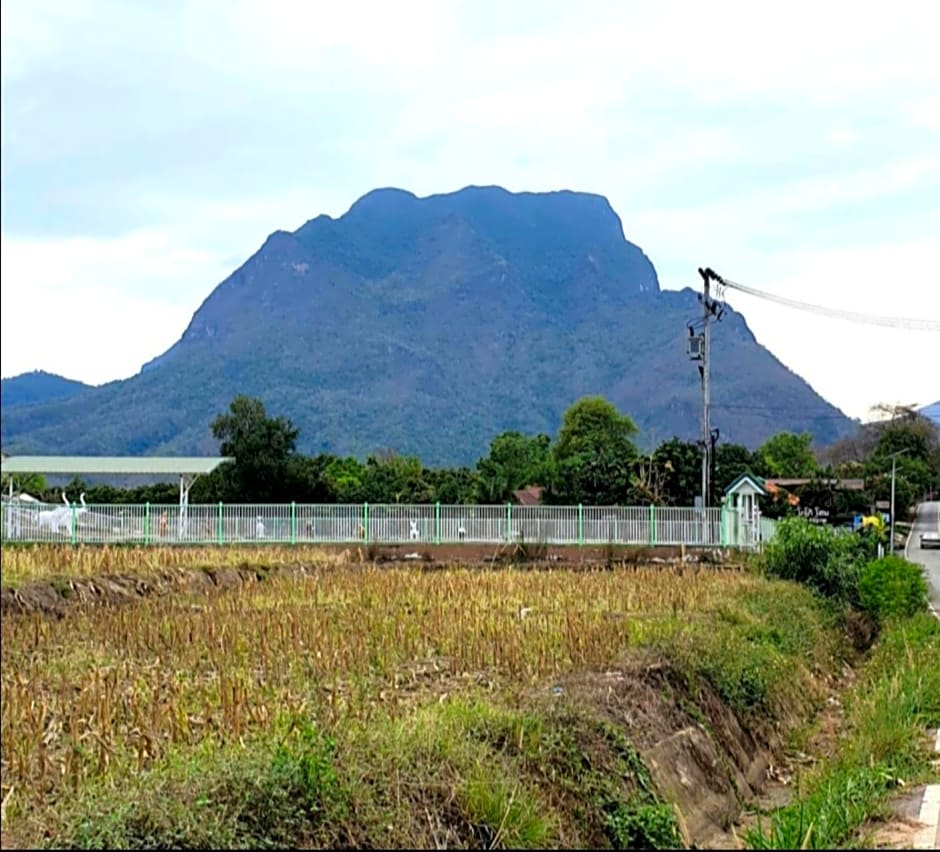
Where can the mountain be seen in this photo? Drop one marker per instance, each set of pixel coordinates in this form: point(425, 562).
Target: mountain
point(430, 325)
point(932, 412)
point(36, 387)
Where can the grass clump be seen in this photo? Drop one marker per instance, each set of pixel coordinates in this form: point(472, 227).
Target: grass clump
point(892, 587)
point(256, 797)
point(490, 776)
point(759, 650)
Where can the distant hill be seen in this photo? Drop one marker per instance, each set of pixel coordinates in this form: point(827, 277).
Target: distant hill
point(38, 386)
point(932, 412)
point(430, 325)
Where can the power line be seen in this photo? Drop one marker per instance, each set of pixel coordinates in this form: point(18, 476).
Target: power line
point(763, 411)
point(909, 323)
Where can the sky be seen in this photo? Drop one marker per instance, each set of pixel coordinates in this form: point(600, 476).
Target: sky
point(149, 148)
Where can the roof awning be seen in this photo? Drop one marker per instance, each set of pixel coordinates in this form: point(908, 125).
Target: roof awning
point(112, 465)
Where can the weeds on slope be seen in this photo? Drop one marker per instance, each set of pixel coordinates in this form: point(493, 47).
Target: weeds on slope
point(896, 698)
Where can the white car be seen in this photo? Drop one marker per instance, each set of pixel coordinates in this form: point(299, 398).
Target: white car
point(929, 540)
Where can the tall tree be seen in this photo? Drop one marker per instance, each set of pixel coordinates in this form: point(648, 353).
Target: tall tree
point(395, 479)
point(595, 457)
point(262, 447)
point(731, 460)
point(672, 475)
point(307, 476)
point(514, 461)
point(913, 444)
point(453, 486)
point(786, 455)
point(345, 476)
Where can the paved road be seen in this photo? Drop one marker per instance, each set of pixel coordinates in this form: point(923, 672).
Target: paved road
point(928, 518)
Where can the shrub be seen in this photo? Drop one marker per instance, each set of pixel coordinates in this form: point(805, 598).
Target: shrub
point(265, 796)
point(642, 827)
point(892, 587)
point(826, 560)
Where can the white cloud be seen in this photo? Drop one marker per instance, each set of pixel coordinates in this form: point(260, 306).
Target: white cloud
point(925, 113)
point(718, 50)
point(800, 117)
point(97, 309)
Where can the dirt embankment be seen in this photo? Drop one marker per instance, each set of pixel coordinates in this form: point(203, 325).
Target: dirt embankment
point(704, 759)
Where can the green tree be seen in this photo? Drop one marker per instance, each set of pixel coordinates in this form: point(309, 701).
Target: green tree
point(916, 441)
point(73, 489)
point(209, 488)
point(395, 479)
point(453, 486)
point(673, 475)
point(912, 481)
point(159, 492)
point(594, 454)
point(731, 460)
point(262, 447)
point(33, 484)
point(786, 455)
point(514, 461)
point(104, 495)
point(345, 476)
point(309, 482)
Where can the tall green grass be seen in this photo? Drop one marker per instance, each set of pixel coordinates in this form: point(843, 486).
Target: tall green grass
point(895, 701)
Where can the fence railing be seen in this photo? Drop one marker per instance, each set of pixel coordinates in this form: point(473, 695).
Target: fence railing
point(296, 523)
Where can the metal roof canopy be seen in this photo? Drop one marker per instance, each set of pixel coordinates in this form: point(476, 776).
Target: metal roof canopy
point(114, 465)
point(188, 468)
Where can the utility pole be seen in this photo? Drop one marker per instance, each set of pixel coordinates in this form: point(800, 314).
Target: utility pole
point(706, 358)
point(699, 349)
point(712, 439)
point(894, 467)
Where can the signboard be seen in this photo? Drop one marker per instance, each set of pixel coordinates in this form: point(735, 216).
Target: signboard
point(814, 514)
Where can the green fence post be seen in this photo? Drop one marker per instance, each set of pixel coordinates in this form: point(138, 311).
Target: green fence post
point(147, 523)
point(652, 525)
point(580, 525)
point(221, 529)
point(437, 522)
point(293, 522)
point(74, 526)
point(365, 521)
point(722, 526)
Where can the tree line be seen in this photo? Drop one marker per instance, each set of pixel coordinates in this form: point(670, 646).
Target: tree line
point(592, 460)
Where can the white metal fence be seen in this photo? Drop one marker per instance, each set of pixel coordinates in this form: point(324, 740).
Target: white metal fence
point(293, 523)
